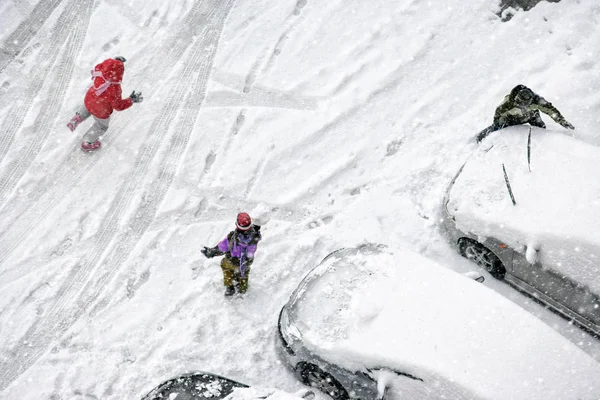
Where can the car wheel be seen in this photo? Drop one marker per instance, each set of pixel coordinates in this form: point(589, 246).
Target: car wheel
point(313, 376)
point(482, 256)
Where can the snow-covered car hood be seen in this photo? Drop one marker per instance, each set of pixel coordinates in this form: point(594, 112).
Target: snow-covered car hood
point(557, 208)
point(399, 310)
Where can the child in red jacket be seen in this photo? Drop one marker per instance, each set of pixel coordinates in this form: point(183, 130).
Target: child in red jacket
point(101, 99)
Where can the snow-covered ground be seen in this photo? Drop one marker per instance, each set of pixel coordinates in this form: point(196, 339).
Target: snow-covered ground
point(343, 120)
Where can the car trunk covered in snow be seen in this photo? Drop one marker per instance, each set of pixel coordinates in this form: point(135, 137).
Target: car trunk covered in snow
point(379, 310)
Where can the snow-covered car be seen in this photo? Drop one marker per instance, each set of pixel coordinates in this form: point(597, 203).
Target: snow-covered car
point(207, 386)
point(547, 243)
point(372, 323)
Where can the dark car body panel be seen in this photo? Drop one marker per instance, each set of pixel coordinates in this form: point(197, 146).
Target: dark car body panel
point(194, 386)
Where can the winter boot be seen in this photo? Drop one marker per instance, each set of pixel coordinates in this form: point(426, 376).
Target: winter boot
point(243, 285)
point(229, 290)
point(85, 146)
point(76, 120)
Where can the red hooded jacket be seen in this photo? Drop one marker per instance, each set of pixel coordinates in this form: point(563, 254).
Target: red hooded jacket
point(105, 94)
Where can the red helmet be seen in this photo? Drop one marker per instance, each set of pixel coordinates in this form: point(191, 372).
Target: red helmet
point(243, 221)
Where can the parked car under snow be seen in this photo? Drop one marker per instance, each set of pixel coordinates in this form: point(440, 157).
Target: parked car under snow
point(372, 323)
point(548, 244)
point(207, 386)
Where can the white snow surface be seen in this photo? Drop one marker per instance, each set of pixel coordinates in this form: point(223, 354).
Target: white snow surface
point(557, 211)
point(377, 310)
point(255, 393)
point(338, 121)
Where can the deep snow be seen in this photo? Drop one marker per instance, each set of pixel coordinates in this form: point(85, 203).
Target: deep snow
point(344, 119)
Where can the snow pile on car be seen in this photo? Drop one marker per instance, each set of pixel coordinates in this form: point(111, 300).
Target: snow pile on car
point(380, 310)
point(557, 212)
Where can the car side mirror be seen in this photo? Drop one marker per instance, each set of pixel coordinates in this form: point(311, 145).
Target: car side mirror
point(383, 382)
point(476, 276)
point(381, 392)
point(531, 254)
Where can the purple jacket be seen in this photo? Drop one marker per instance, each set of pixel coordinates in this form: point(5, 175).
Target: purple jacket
point(239, 247)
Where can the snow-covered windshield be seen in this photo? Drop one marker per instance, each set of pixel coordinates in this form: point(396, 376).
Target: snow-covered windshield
point(324, 297)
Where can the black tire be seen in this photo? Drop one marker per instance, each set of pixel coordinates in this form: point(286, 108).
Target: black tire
point(313, 376)
point(482, 256)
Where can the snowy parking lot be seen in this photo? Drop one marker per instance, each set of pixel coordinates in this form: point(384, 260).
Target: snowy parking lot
point(338, 122)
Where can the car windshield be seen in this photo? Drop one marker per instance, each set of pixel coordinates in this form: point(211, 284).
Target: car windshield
point(324, 295)
point(324, 301)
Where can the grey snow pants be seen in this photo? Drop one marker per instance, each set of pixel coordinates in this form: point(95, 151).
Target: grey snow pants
point(98, 129)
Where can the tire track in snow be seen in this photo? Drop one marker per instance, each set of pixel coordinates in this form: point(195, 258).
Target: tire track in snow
point(76, 165)
point(157, 190)
point(24, 103)
point(22, 6)
point(73, 28)
point(72, 299)
point(171, 48)
point(26, 30)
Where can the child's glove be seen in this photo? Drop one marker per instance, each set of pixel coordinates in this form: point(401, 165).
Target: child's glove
point(208, 252)
point(136, 97)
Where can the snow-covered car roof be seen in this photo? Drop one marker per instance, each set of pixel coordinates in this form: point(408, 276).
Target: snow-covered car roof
point(557, 204)
point(364, 309)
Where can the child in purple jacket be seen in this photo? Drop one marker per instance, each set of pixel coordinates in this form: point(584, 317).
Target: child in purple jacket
point(238, 247)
